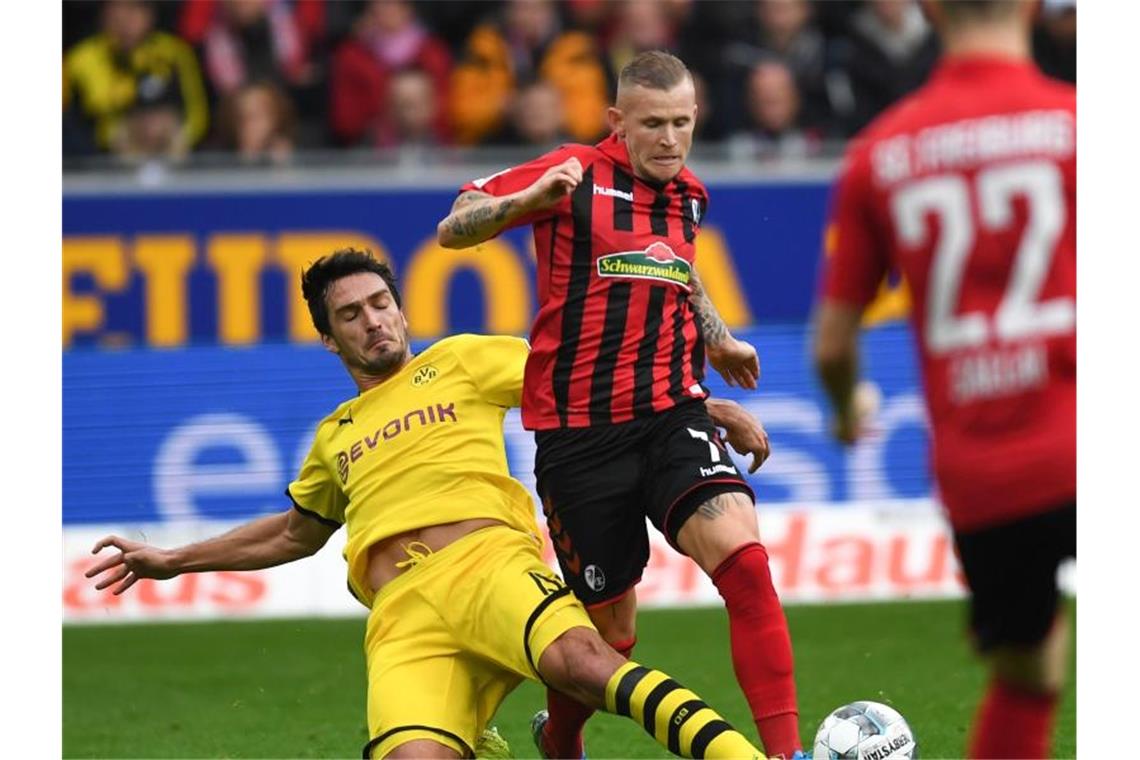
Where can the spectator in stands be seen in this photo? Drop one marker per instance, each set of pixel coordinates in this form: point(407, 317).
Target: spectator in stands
point(414, 111)
point(527, 41)
point(312, 19)
point(536, 117)
point(774, 108)
point(737, 37)
point(893, 50)
point(249, 41)
point(130, 64)
point(590, 16)
point(387, 39)
point(639, 25)
point(258, 121)
point(253, 40)
point(151, 126)
point(785, 28)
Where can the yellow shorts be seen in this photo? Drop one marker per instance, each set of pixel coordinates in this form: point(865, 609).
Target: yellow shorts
point(449, 638)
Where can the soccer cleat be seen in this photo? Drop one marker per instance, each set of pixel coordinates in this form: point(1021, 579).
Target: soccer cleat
point(537, 725)
point(492, 746)
point(799, 754)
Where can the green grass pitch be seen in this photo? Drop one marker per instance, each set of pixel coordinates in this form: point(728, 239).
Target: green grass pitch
point(295, 688)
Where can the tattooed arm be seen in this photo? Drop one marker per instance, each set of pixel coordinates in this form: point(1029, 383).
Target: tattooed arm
point(476, 216)
point(713, 328)
point(735, 360)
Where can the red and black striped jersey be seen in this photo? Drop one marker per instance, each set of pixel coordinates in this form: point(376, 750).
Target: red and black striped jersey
point(615, 337)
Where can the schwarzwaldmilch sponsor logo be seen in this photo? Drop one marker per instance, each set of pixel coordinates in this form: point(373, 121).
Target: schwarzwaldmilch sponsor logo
point(657, 262)
point(429, 415)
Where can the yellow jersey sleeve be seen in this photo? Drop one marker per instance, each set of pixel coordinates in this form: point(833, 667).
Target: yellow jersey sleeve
point(316, 491)
point(496, 364)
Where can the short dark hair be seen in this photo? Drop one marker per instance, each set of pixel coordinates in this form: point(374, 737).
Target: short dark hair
point(654, 69)
point(323, 272)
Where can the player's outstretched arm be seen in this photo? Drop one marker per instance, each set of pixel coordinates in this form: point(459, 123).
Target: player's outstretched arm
point(476, 216)
point(742, 431)
point(735, 360)
point(837, 364)
point(264, 542)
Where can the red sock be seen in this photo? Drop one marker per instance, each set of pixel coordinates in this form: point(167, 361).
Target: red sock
point(1012, 723)
point(761, 647)
point(562, 736)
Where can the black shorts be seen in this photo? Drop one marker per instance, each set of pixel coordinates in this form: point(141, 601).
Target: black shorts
point(1012, 572)
point(598, 485)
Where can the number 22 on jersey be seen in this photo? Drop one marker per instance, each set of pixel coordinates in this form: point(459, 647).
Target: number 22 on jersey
point(1020, 316)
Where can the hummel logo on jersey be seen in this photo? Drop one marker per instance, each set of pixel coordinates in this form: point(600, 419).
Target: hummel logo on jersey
point(613, 193)
point(718, 469)
point(657, 262)
point(345, 420)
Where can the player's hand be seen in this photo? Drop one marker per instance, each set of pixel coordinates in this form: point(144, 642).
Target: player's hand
point(857, 420)
point(750, 439)
point(736, 361)
point(135, 560)
point(743, 432)
point(558, 182)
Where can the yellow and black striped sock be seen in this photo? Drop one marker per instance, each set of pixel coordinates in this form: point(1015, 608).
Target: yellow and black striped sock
point(673, 715)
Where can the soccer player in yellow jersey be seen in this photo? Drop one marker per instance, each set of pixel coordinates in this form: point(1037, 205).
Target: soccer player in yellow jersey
point(442, 542)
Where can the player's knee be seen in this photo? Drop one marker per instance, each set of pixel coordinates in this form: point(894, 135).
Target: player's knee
point(579, 663)
point(617, 622)
point(1038, 669)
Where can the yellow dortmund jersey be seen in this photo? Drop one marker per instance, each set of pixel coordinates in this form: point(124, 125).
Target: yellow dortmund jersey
point(423, 448)
point(106, 85)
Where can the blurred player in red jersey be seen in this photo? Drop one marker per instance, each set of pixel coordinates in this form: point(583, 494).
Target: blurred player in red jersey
point(613, 388)
point(968, 188)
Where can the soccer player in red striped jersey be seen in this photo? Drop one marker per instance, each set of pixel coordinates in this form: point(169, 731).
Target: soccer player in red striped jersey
point(613, 385)
point(968, 188)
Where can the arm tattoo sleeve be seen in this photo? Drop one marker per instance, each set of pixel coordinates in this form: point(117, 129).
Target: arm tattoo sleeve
point(713, 328)
point(479, 218)
point(468, 198)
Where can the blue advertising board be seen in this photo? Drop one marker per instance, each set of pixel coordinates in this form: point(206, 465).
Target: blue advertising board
point(218, 432)
point(220, 267)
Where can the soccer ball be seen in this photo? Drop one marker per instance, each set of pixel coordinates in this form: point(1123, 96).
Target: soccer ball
point(865, 731)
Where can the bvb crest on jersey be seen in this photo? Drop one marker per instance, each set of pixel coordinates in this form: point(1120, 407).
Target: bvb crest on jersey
point(424, 375)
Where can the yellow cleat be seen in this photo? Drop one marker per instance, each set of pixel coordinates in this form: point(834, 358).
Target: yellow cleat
point(492, 746)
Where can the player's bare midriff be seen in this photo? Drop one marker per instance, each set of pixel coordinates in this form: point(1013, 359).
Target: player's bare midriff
point(383, 556)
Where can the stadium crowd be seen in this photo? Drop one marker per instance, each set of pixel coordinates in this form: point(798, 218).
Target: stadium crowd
point(260, 80)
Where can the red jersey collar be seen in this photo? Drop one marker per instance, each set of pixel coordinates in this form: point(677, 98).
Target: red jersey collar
point(616, 149)
point(978, 64)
